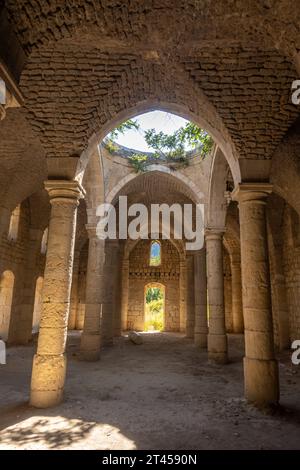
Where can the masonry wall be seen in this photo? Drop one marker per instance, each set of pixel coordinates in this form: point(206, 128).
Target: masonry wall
point(141, 274)
point(13, 263)
point(291, 257)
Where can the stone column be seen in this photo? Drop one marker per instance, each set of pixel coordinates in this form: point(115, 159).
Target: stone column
point(74, 293)
point(237, 302)
point(190, 314)
point(49, 363)
point(109, 293)
point(260, 366)
point(217, 338)
point(182, 296)
point(80, 315)
point(201, 328)
point(118, 298)
point(21, 321)
point(125, 293)
point(91, 335)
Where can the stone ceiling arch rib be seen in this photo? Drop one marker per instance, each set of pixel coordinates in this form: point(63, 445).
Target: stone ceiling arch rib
point(74, 120)
point(178, 182)
point(217, 204)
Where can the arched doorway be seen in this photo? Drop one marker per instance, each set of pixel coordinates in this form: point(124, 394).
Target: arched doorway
point(154, 312)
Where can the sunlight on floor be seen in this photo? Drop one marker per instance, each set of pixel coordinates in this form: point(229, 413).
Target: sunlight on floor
point(58, 432)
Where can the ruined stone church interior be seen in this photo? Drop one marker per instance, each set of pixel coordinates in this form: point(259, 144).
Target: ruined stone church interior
point(84, 365)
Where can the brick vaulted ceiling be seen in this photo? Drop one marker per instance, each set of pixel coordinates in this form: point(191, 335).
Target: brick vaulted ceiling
point(89, 60)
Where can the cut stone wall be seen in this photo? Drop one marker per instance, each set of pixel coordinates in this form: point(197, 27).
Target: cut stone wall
point(291, 257)
point(13, 259)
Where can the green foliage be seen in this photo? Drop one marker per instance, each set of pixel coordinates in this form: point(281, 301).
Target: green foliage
point(170, 147)
point(122, 128)
point(155, 260)
point(154, 312)
point(138, 161)
point(153, 293)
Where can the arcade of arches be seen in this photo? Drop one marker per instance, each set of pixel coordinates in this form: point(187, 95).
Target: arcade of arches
point(72, 75)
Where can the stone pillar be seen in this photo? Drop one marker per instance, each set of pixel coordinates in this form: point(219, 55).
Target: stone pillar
point(79, 325)
point(20, 331)
point(74, 293)
point(182, 296)
point(190, 291)
point(49, 363)
point(118, 298)
point(237, 302)
point(201, 328)
point(217, 338)
point(125, 293)
point(260, 366)
point(91, 335)
point(109, 293)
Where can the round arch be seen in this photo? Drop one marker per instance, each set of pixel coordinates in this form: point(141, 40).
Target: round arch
point(186, 184)
point(212, 123)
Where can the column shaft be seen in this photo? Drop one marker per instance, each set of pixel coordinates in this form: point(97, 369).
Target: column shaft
point(182, 296)
point(125, 293)
point(237, 302)
point(260, 366)
point(91, 335)
point(190, 314)
point(217, 338)
point(201, 328)
point(109, 293)
point(49, 364)
point(74, 294)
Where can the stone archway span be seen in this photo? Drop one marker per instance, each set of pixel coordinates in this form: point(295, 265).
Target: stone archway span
point(212, 124)
point(182, 182)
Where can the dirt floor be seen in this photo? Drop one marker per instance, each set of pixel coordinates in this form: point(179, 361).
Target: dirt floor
point(159, 395)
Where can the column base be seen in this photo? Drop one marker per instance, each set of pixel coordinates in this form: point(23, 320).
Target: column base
point(189, 333)
point(217, 348)
point(200, 340)
point(261, 381)
point(90, 347)
point(106, 342)
point(47, 380)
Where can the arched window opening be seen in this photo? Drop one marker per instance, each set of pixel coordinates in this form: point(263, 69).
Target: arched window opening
point(44, 241)
point(154, 307)
point(14, 224)
point(155, 253)
point(6, 296)
point(37, 304)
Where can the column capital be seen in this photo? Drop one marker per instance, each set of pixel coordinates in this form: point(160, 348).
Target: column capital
point(252, 191)
point(214, 233)
point(64, 190)
point(91, 230)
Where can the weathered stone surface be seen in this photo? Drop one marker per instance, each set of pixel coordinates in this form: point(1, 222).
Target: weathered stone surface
point(135, 338)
